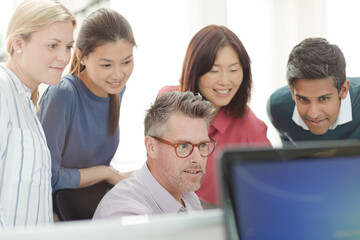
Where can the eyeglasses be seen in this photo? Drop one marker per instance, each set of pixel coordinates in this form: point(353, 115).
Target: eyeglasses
point(184, 149)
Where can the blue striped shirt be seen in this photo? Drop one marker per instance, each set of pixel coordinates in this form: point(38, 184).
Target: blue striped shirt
point(25, 164)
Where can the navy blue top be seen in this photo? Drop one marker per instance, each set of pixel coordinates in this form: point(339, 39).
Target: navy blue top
point(280, 109)
point(76, 126)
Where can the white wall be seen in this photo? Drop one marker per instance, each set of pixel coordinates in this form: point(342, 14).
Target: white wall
point(343, 29)
point(269, 29)
point(161, 33)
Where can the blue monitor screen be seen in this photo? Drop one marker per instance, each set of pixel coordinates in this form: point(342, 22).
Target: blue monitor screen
point(300, 199)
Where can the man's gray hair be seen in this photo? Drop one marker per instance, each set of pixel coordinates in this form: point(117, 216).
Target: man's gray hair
point(186, 103)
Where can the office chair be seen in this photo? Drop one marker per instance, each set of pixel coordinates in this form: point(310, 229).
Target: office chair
point(79, 204)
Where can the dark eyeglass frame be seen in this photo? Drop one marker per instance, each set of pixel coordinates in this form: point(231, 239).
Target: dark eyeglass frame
point(175, 145)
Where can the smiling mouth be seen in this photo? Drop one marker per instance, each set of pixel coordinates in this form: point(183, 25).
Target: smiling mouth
point(316, 123)
point(222, 91)
point(114, 84)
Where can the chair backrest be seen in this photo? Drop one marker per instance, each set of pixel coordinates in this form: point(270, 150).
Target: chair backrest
point(79, 204)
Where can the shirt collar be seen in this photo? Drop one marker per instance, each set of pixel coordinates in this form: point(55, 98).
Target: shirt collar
point(221, 122)
point(20, 87)
point(166, 202)
point(345, 114)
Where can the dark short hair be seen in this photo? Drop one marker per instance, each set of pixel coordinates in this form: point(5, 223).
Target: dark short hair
point(186, 103)
point(200, 57)
point(316, 58)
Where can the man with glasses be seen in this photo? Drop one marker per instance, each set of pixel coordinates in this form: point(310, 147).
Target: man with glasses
point(177, 144)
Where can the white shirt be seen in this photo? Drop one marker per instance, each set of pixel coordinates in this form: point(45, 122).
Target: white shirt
point(142, 194)
point(345, 114)
point(25, 163)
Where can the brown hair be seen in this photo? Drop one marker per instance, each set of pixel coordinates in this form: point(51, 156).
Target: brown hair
point(32, 16)
point(101, 27)
point(200, 57)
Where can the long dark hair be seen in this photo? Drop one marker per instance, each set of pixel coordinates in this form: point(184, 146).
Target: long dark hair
point(101, 27)
point(200, 57)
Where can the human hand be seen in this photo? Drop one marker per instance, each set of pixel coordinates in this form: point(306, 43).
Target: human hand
point(114, 176)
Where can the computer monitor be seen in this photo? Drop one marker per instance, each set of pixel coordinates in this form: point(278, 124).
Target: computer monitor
point(308, 192)
point(194, 225)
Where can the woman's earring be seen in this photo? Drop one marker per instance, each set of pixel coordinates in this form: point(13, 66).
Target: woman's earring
point(18, 51)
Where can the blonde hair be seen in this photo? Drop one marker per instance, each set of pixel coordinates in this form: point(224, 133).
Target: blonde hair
point(32, 16)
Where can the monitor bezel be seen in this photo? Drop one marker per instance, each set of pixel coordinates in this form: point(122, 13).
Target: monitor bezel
point(232, 155)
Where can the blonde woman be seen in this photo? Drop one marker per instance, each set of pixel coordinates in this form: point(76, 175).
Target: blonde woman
point(38, 41)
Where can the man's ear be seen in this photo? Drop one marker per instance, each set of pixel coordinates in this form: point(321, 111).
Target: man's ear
point(151, 147)
point(79, 56)
point(344, 89)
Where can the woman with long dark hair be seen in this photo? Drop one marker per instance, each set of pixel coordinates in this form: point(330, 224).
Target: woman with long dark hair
point(217, 66)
